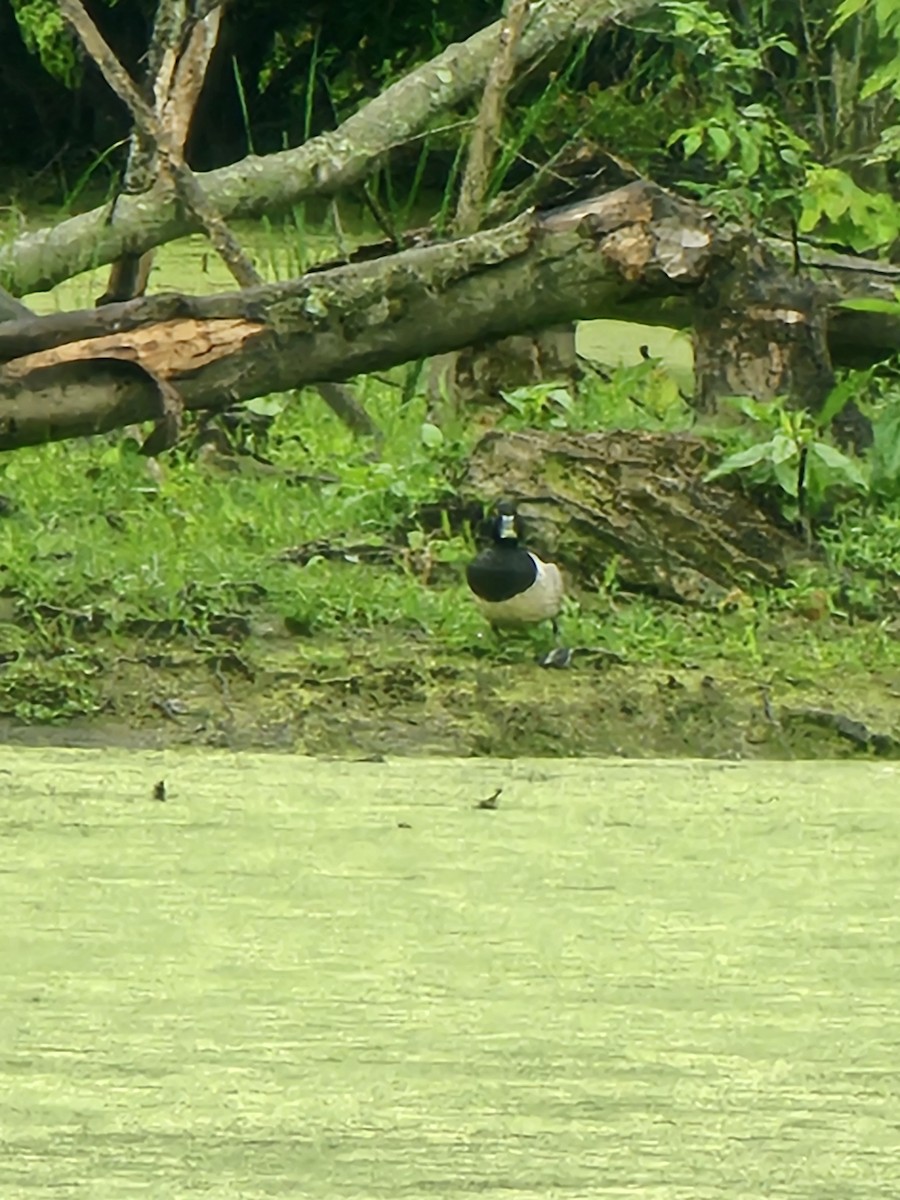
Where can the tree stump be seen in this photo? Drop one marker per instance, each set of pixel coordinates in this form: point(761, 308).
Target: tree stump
point(474, 379)
point(762, 331)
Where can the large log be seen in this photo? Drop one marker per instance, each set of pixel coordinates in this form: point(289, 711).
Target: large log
point(340, 160)
point(84, 373)
point(632, 508)
point(87, 372)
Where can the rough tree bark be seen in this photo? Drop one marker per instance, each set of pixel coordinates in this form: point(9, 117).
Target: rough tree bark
point(761, 329)
point(760, 333)
point(79, 373)
point(104, 366)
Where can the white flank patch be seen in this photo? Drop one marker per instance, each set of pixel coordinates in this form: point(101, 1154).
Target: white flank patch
point(540, 602)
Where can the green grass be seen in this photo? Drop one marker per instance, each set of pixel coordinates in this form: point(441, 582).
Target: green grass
point(94, 527)
point(98, 543)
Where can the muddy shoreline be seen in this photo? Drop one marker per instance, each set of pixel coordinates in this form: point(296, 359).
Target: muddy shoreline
point(368, 697)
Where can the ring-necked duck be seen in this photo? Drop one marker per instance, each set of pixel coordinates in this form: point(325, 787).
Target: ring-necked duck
point(511, 585)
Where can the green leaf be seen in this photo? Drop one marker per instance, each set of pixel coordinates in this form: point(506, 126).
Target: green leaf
point(838, 398)
point(838, 462)
point(692, 143)
point(886, 451)
point(750, 153)
point(836, 201)
point(266, 406)
point(720, 139)
point(881, 78)
point(845, 11)
point(516, 403)
point(887, 16)
point(783, 449)
point(431, 435)
point(874, 305)
point(787, 473)
point(740, 461)
point(756, 410)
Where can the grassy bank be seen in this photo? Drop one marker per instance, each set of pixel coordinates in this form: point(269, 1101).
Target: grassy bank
point(170, 604)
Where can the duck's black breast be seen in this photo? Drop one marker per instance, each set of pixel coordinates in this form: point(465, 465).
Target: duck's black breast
point(499, 573)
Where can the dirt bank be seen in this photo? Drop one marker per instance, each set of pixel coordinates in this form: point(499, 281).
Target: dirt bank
point(391, 695)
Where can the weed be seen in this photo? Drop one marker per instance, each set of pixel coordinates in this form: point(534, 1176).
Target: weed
point(643, 396)
point(34, 689)
point(795, 458)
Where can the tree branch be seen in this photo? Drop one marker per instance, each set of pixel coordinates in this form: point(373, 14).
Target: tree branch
point(81, 373)
point(165, 145)
point(486, 133)
point(325, 165)
point(176, 62)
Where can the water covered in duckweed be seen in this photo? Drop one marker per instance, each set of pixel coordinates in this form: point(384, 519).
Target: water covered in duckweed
point(330, 979)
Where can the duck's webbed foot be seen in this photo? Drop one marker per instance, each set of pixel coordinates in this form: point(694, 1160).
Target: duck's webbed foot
point(559, 657)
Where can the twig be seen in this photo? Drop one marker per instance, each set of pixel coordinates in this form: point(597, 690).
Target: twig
point(173, 80)
point(486, 133)
point(171, 162)
point(347, 408)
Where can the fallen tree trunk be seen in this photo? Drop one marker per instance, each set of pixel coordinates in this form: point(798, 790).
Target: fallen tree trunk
point(340, 160)
point(631, 509)
point(87, 372)
point(323, 166)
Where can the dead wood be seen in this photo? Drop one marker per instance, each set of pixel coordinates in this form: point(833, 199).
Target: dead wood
point(162, 130)
point(485, 139)
point(538, 271)
point(477, 374)
point(325, 165)
point(631, 508)
point(331, 325)
point(177, 59)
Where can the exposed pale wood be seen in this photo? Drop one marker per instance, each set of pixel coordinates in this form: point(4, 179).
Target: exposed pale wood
point(166, 349)
point(582, 261)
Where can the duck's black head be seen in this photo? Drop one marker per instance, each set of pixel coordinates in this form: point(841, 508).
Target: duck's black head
point(505, 568)
point(505, 525)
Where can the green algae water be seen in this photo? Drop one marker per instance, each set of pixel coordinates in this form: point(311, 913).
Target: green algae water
point(298, 978)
